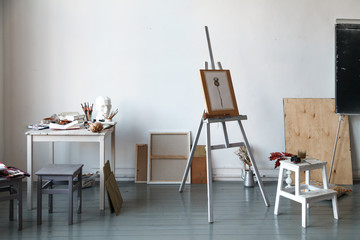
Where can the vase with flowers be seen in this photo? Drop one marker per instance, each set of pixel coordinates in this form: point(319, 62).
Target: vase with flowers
point(248, 174)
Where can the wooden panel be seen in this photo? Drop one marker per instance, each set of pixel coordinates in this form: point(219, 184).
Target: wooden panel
point(198, 166)
point(107, 172)
point(113, 192)
point(141, 163)
point(168, 154)
point(311, 125)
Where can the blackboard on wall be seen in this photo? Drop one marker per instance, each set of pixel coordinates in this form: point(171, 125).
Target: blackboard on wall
point(347, 83)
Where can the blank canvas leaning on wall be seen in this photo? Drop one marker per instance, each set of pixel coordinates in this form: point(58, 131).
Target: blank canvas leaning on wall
point(168, 154)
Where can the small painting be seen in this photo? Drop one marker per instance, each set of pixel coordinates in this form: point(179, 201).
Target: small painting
point(219, 93)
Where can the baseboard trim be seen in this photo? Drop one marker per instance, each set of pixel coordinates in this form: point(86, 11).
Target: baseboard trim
point(219, 174)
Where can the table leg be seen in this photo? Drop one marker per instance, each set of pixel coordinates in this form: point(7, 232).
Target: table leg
point(70, 197)
point(51, 152)
point(335, 207)
point(29, 157)
point(303, 214)
point(19, 204)
point(79, 191)
point(297, 183)
point(279, 187)
point(102, 182)
point(307, 177)
point(325, 181)
point(307, 183)
point(39, 200)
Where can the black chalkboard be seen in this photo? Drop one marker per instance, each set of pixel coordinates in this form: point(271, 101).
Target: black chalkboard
point(347, 83)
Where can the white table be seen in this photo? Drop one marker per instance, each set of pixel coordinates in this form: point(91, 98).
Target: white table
point(79, 135)
point(305, 193)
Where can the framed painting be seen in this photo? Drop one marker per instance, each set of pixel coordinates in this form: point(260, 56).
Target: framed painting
point(219, 93)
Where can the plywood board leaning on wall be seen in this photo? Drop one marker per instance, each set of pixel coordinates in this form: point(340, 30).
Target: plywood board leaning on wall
point(198, 166)
point(113, 192)
point(141, 163)
point(311, 124)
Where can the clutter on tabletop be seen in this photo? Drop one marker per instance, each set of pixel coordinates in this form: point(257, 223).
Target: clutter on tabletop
point(71, 116)
point(96, 127)
point(87, 110)
point(74, 120)
point(9, 172)
point(111, 115)
point(38, 126)
point(61, 121)
point(65, 125)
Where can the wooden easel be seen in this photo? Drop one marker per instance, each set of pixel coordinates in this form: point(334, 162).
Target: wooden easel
point(209, 147)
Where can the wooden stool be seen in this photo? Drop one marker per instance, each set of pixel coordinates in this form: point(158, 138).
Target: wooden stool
point(57, 174)
point(7, 185)
point(306, 193)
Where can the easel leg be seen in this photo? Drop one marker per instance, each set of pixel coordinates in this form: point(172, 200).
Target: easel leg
point(209, 174)
point(336, 141)
point(266, 200)
point(191, 156)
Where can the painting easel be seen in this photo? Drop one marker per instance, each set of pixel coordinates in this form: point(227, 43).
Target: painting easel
point(208, 120)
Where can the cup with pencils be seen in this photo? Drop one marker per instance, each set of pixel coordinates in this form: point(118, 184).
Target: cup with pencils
point(111, 115)
point(87, 110)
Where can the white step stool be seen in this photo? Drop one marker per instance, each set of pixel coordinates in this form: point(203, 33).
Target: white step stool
point(306, 193)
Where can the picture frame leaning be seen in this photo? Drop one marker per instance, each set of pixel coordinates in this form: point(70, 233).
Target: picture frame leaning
point(219, 93)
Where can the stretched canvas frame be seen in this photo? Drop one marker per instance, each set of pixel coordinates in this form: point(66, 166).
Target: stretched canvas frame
point(219, 93)
point(167, 158)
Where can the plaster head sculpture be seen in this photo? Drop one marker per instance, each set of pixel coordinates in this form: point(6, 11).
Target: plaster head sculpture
point(103, 107)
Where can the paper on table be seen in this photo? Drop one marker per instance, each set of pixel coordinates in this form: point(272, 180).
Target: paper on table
point(72, 125)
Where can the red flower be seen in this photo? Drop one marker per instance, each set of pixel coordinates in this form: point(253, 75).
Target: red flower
point(279, 156)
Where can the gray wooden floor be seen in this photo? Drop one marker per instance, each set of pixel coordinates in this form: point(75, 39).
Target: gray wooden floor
point(161, 212)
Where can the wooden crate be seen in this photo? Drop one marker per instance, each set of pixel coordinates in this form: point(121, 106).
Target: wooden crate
point(311, 124)
point(198, 166)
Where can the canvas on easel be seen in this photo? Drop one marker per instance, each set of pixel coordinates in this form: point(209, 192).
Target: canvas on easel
point(219, 93)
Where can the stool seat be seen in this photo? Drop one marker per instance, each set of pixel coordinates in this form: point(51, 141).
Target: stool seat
point(305, 193)
point(59, 169)
point(59, 174)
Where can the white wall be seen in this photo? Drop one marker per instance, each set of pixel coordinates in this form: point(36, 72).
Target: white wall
point(145, 56)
